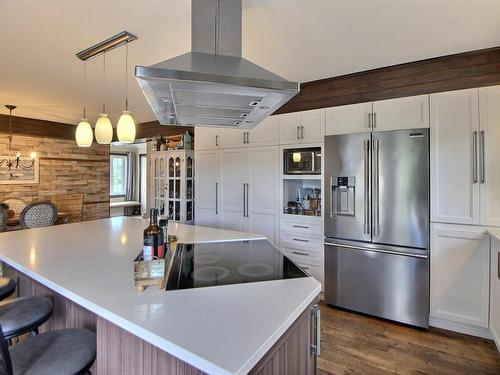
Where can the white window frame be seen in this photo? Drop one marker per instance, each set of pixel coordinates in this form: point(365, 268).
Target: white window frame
point(111, 171)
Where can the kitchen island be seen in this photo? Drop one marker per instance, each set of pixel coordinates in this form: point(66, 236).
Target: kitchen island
point(232, 329)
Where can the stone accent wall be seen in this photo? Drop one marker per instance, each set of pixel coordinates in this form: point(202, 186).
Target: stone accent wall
point(65, 168)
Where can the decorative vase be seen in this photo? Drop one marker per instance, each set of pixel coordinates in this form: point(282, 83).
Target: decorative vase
point(3, 219)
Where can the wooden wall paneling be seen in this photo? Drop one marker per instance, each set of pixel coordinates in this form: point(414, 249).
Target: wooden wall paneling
point(446, 73)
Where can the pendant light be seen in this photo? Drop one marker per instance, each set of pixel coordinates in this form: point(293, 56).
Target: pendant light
point(83, 135)
point(126, 125)
point(103, 127)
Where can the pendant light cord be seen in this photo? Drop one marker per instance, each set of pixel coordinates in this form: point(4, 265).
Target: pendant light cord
point(126, 76)
point(104, 82)
point(10, 133)
point(84, 86)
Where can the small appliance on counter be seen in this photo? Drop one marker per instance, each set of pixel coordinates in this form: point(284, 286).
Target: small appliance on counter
point(222, 263)
point(302, 161)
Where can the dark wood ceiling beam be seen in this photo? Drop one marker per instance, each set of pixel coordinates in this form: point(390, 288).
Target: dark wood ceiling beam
point(51, 129)
point(452, 72)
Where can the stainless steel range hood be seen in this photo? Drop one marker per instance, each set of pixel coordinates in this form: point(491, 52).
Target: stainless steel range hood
point(213, 85)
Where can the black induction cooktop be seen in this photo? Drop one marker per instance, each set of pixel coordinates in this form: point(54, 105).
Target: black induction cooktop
point(223, 263)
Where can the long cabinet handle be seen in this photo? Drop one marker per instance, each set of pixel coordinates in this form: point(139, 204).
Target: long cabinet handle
point(244, 201)
point(366, 147)
point(300, 253)
point(300, 240)
point(376, 201)
point(474, 157)
point(482, 144)
point(216, 140)
point(216, 198)
point(300, 226)
point(244, 137)
point(316, 328)
point(498, 265)
point(298, 132)
point(301, 132)
point(248, 185)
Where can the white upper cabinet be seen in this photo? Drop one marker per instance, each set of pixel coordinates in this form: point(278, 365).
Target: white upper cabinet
point(264, 134)
point(232, 138)
point(489, 154)
point(354, 118)
point(289, 128)
point(454, 166)
point(460, 277)
point(206, 138)
point(402, 113)
point(302, 127)
point(313, 125)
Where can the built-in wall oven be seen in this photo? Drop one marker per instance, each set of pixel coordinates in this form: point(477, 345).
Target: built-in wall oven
point(298, 161)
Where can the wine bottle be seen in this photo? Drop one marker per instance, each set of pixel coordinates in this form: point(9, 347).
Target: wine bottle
point(153, 238)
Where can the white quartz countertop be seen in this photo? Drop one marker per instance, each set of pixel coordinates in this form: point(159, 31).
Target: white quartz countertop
point(220, 330)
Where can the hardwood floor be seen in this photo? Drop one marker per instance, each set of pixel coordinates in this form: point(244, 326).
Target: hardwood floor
point(357, 344)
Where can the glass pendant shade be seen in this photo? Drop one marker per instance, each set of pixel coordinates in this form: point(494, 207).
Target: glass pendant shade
point(84, 136)
point(126, 128)
point(103, 130)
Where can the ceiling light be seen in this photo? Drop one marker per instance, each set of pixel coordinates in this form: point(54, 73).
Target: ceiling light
point(126, 124)
point(103, 130)
point(84, 134)
point(103, 126)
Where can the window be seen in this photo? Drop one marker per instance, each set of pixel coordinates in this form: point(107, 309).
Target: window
point(118, 174)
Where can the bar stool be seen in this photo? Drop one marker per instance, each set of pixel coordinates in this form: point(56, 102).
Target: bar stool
point(22, 315)
point(62, 352)
point(7, 287)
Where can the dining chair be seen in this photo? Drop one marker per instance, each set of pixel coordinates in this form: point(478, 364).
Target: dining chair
point(15, 205)
point(72, 204)
point(39, 214)
point(62, 352)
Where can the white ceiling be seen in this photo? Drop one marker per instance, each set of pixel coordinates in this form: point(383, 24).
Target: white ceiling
point(300, 40)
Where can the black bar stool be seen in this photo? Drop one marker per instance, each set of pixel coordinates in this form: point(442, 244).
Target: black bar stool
point(22, 315)
point(7, 287)
point(61, 352)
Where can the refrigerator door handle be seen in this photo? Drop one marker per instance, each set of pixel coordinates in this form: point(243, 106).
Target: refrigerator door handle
point(392, 252)
point(376, 228)
point(366, 147)
point(331, 197)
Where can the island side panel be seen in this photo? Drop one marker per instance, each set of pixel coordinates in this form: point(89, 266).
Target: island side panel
point(122, 353)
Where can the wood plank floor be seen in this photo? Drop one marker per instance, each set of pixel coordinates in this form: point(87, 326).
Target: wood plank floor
point(357, 344)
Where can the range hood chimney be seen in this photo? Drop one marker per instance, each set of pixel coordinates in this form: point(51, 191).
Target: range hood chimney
point(213, 85)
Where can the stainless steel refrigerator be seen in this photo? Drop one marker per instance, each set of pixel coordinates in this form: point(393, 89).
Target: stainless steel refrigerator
point(377, 224)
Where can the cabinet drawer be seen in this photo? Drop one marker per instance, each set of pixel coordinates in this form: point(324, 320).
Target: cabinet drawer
point(295, 227)
point(301, 242)
point(313, 270)
point(303, 256)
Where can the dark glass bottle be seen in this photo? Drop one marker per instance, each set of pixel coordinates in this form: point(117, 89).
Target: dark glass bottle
point(153, 238)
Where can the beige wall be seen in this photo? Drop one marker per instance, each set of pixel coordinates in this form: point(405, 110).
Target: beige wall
point(64, 168)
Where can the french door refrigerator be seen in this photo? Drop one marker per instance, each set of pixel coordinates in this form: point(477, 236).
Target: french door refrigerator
point(377, 224)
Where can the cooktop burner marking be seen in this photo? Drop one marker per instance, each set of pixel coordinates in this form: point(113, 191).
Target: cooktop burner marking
point(206, 259)
point(255, 269)
point(210, 273)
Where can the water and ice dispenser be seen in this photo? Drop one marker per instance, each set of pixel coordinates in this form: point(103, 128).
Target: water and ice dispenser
point(343, 196)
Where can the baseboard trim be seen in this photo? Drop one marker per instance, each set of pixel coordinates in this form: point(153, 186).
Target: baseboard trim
point(460, 327)
point(495, 338)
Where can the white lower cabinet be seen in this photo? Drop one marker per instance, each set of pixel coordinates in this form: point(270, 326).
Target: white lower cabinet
point(460, 278)
point(302, 241)
point(495, 291)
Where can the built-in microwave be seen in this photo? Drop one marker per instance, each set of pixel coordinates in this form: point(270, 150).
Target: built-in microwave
point(302, 161)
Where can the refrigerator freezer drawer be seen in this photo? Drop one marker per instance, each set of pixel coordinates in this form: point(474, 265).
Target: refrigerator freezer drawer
point(390, 286)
